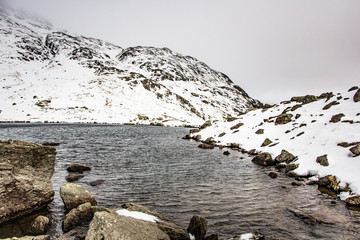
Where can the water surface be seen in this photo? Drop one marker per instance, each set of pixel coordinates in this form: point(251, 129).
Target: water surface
point(154, 167)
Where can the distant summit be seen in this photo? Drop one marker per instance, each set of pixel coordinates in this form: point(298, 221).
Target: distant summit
point(50, 75)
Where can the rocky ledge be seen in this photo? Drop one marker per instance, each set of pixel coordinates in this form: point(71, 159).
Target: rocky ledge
point(25, 178)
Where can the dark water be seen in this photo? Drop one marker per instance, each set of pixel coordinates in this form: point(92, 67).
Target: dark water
point(153, 166)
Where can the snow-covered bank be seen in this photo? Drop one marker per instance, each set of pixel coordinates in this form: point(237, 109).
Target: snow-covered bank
point(307, 127)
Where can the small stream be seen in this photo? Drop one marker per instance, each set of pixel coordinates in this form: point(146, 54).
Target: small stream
point(154, 167)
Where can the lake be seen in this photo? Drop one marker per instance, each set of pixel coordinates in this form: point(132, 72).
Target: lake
point(154, 167)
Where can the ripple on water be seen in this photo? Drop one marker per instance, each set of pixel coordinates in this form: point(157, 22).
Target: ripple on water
point(153, 166)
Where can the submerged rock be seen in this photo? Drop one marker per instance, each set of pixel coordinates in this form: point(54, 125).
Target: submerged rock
point(25, 175)
point(97, 182)
point(197, 227)
point(74, 195)
point(72, 177)
point(263, 159)
point(78, 168)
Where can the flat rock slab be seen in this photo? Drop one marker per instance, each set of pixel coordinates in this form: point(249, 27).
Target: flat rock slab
point(25, 176)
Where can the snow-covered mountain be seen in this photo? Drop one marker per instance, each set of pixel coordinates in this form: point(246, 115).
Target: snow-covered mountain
point(51, 75)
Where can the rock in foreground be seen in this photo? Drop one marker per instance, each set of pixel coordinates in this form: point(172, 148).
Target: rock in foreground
point(74, 195)
point(108, 225)
point(25, 178)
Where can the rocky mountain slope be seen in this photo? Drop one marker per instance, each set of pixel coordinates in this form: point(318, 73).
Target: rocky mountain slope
point(321, 133)
point(51, 75)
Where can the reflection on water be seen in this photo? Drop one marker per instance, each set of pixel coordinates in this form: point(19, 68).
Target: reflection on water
point(153, 166)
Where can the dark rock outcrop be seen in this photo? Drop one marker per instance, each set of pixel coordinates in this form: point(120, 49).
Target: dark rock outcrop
point(273, 175)
point(266, 142)
point(336, 118)
point(74, 195)
point(263, 159)
point(72, 177)
point(353, 201)
point(197, 227)
point(206, 146)
point(97, 182)
point(283, 119)
point(25, 174)
point(329, 182)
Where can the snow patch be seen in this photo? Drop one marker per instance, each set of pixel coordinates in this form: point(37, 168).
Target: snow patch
point(137, 215)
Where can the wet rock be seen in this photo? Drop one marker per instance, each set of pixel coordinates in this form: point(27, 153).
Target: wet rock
point(322, 160)
point(77, 215)
point(283, 119)
point(187, 137)
point(353, 201)
point(107, 224)
point(291, 167)
point(206, 146)
point(355, 150)
point(226, 153)
point(333, 103)
point(74, 195)
point(97, 182)
point(266, 142)
point(53, 144)
point(337, 118)
point(263, 159)
point(260, 131)
point(25, 178)
point(72, 177)
point(291, 174)
point(197, 227)
point(296, 183)
point(357, 96)
point(285, 156)
point(273, 175)
point(212, 237)
point(210, 140)
point(329, 182)
point(78, 168)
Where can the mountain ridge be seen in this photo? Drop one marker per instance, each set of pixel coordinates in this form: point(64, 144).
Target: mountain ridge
point(51, 75)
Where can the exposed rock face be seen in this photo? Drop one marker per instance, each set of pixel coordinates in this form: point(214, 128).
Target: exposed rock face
point(263, 159)
point(322, 160)
point(197, 227)
point(304, 99)
point(109, 225)
point(285, 156)
point(266, 142)
point(357, 96)
point(77, 215)
point(74, 195)
point(25, 178)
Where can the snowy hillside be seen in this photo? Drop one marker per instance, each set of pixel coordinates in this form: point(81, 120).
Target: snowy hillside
point(50, 75)
point(322, 132)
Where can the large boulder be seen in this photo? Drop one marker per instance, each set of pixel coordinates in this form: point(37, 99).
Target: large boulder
point(74, 195)
point(107, 224)
point(25, 178)
point(263, 159)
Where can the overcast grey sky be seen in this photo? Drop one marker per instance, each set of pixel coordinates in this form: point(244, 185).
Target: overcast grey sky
point(273, 49)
